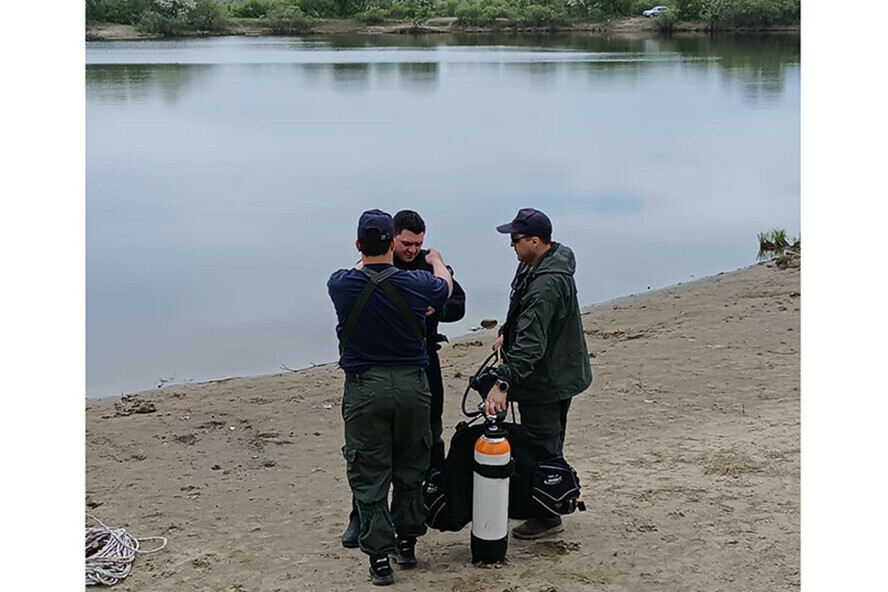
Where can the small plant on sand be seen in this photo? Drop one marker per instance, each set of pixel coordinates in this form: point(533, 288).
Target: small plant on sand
point(774, 243)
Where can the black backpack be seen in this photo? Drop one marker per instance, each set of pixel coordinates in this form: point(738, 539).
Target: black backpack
point(536, 490)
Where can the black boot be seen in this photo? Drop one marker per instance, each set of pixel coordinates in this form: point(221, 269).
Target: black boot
point(405, 552)
point(381, 571)
point(353, 530)
point(536, 528)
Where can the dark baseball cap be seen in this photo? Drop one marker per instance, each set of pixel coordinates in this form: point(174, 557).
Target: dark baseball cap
point(376, 220)
point(530, 222)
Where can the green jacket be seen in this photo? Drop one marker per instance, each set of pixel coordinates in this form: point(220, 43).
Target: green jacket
point(546, 358)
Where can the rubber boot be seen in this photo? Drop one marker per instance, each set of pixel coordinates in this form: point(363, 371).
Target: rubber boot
point(353, 530)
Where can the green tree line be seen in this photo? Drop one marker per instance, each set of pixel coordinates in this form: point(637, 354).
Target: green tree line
point(174, 17)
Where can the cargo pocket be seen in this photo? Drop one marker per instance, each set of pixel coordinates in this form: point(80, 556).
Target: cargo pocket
point(356, 396)
point(367, 470)
point(349, 455)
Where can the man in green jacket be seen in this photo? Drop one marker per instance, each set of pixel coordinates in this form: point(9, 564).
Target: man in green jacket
point(545, 360)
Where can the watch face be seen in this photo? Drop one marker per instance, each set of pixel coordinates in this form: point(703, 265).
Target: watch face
point(503, 386)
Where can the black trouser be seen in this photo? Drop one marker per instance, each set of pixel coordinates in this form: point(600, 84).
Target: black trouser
point(546, 424)
point(436, 386)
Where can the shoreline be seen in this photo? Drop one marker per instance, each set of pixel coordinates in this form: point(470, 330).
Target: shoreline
point(584, 310)
point(687, 445)
point(629, 27)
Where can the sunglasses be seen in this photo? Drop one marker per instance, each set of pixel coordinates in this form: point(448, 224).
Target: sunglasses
point(518, 238)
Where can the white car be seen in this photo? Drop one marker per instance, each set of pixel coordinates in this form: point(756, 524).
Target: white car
point(656, 10)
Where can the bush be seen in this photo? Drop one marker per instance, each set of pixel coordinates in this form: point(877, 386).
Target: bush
point(318, 8)
point(373, 16)
point(249, 9)
point(286, 20)
point(753, 14)
point(208, 15)
point(126, 12)
point(543, 16)
point(174, 9)
point(155, 23)
point(397, 12)
point(471, 15)
point(666, 22)
point(689, 10)
point(447, 8)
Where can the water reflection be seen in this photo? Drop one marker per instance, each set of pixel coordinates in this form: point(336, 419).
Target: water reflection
point(422, 76)
point(134, 83)
point(351, 76)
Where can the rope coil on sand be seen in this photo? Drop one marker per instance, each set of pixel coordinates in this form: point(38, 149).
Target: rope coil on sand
point(110, 553)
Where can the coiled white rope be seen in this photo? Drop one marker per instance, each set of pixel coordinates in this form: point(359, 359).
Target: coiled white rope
point(110, 553)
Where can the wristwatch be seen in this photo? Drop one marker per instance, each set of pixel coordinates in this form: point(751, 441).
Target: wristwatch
point(502, 385)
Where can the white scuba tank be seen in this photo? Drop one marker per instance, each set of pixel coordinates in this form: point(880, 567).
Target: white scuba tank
point(490, 495)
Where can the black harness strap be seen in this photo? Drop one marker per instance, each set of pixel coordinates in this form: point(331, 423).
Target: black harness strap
point(376, 279)
point(495, 471)
point(405, 311)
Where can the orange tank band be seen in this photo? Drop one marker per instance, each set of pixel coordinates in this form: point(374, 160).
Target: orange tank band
point(492, 447)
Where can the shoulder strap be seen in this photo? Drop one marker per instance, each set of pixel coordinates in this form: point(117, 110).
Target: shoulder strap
point(378, 278)
point(405, 311)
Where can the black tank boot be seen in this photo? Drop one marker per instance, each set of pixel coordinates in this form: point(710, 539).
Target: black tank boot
point(353, 530)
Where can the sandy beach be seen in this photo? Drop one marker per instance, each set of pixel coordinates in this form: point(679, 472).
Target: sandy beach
point(687, 444)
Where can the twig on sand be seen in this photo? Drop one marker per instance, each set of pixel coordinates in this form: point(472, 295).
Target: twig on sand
point(310, 366)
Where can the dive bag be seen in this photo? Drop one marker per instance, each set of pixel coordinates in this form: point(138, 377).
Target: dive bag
point(536, 490)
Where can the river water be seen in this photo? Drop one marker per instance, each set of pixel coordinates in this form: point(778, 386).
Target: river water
point(225, 177)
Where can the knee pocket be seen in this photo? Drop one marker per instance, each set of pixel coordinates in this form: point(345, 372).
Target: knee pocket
point(368, 471)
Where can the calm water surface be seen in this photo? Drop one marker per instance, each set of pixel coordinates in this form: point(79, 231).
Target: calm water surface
point(225, 177)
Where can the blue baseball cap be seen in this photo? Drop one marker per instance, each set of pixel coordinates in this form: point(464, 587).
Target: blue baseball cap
point(376, 220)
point(530, 222)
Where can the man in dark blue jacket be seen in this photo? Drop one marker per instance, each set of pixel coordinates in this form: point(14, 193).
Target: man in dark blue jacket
point(409, 228)
point(381, 318)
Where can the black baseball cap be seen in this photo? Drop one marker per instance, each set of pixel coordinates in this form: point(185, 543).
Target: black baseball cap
point(530, 222)
point(376, 220)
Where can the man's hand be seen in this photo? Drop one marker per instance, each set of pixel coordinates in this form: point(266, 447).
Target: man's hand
point(497, 344)
point(430, 311)
point(432, 256)
point(495, 401)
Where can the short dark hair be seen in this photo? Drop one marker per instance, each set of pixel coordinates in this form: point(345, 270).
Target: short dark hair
point(372, 245)
point(409, 220)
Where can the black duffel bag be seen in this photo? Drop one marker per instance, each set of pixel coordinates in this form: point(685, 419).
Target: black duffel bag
point(536, 490)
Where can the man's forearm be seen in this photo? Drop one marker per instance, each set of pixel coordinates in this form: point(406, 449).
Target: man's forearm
point(440, 270)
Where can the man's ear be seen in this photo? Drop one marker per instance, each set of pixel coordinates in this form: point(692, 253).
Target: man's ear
point(358, 245)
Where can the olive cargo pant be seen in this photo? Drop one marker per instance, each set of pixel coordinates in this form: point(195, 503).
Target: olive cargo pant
point(387, 442)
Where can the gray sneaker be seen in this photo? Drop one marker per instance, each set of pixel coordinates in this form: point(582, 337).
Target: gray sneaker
point(536, 528)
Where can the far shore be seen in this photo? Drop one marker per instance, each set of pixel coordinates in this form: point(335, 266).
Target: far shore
point(632, 27)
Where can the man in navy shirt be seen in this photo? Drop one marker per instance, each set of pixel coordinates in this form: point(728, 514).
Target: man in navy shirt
point(381, 319)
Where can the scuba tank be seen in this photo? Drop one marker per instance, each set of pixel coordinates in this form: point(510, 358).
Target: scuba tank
point(490, 494)
point(493, 466)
